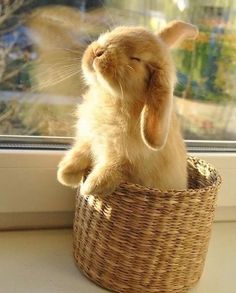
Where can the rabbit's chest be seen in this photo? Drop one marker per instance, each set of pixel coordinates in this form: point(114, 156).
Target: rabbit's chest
point(113, 131)
point(116, 130)
point(107, 122)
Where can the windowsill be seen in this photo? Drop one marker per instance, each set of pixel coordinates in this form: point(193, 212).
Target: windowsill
point(40, 220)
point(31, 197)
point(41, 261)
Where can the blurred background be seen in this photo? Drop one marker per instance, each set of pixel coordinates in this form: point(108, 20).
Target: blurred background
point(41, 44)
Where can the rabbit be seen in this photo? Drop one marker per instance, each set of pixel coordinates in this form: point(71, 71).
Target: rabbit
point(127, 129)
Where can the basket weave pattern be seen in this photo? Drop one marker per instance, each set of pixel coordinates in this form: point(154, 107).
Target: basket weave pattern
point(146, 240)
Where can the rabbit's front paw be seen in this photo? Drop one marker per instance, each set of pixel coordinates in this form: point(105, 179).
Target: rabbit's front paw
point(104, 185)
point(68, 175)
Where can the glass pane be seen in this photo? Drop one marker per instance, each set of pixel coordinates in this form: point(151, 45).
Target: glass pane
point(42, 42)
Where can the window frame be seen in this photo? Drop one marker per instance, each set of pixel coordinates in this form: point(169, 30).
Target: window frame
point(31, 197)
point(63, 143)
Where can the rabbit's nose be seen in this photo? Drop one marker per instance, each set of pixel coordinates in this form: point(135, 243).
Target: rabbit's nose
point(99, 52)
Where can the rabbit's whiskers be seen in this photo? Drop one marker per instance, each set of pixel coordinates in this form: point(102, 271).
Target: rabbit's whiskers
point(121, 89)
point(130, 67)
point(58, 66)
point(55, 71)
point(67, 50)
point(57, 79)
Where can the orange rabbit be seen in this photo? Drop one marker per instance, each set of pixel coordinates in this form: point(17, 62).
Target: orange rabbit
point(127, 128)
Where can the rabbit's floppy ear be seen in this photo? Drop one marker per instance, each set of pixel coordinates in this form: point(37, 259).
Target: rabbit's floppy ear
point(177, 31)
point(156, 113)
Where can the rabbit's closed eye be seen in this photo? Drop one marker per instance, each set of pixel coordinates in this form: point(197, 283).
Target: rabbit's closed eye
point(135, 59)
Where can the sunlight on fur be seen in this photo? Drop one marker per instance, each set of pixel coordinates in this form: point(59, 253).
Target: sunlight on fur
point(132, 132)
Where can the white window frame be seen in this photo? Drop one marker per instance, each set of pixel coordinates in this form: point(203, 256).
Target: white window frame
point(31, 197)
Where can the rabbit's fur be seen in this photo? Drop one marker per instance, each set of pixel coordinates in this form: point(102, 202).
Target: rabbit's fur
point(127, 128)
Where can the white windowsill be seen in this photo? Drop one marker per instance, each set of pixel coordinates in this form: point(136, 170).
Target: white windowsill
point(31, 197)
point(42, 262)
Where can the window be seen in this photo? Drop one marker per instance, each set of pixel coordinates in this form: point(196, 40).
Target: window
point(41, 44)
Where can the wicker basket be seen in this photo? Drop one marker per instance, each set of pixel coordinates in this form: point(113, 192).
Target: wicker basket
point(145, 240)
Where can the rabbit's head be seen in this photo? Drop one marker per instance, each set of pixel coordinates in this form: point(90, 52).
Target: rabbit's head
point(134, 64)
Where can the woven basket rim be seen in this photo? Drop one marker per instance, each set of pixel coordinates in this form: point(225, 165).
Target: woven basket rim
point(163, 193)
